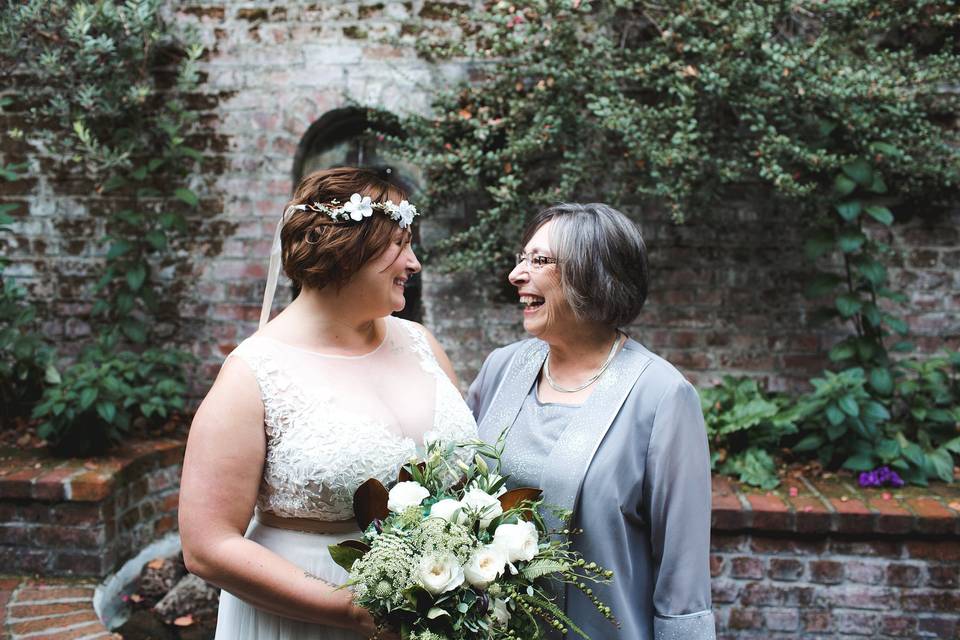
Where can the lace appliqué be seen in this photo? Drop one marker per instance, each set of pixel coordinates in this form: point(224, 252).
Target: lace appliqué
point(320, 449)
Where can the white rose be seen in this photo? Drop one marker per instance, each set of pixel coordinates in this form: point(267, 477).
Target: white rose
point(519, 541)
point(404, 495)
point(500, 612)
point(486, 564)
point(483, 504)
point(446, 509)
point(440, 573)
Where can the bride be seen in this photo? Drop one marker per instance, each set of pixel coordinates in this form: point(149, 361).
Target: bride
point(331, 392)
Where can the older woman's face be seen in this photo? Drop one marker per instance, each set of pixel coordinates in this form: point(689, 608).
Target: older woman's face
point(544, 305)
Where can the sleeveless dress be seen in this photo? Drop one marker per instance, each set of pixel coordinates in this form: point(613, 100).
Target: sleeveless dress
point(333, 422)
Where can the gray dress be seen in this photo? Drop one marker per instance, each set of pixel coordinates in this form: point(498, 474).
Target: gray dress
point(633, 466)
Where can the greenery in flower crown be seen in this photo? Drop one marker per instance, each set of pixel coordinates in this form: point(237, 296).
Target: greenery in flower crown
point(448, 553)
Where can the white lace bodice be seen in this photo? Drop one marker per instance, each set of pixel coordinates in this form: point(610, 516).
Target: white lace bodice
point(333, 422)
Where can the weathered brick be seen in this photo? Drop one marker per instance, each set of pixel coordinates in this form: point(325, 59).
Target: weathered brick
point(938, 626)
point(763, 594)
point(856, 623)
point(943, 576)
point(744, 619)
point(782, 619)
point(826, 571)
point(864, 573)
point(787, 569)
point(746, 567)
point(898, 626)
point(903, 575)
point(816, 621)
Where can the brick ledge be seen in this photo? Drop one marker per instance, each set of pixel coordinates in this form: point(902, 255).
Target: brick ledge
point(36, 475)
point(836, 505)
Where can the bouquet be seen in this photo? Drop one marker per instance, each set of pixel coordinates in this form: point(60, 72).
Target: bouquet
point(449, 554)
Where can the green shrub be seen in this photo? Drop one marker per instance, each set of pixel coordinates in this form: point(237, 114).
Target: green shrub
point(96, 400)
point(744, 426)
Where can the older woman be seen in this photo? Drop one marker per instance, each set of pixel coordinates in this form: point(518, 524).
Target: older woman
point(605, 427)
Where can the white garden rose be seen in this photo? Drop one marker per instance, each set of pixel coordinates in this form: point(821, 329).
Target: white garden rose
point(492, 479)
point(404, 495)
point(440, 573)
point(485, 566)
point(500, 612)
point(484, 504)
point(519, 541)
point(446, 509)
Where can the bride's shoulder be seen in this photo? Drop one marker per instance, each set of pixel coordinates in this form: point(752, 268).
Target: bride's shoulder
point(421, 334)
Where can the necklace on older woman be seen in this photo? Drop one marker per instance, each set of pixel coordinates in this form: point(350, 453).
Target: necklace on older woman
point(591, 379)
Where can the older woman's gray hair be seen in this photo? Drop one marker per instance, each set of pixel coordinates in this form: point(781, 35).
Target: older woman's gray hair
point(602, 260)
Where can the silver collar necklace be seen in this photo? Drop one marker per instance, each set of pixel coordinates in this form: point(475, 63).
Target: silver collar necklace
point(591, 379)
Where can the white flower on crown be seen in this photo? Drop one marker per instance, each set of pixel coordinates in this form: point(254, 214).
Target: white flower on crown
point(358, 207)
point(406, 211)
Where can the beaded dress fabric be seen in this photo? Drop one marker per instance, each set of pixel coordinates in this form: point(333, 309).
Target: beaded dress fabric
point(333, 422)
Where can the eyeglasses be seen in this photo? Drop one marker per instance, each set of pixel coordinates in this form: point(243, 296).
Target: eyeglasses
point(534, 261)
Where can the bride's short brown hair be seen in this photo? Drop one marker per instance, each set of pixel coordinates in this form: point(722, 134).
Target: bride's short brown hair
point(318, 251)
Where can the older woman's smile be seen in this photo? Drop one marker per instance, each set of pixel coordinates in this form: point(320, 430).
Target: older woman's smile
point(531, 302)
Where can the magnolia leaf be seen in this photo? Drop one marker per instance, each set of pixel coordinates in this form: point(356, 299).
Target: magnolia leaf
point(850, 241)
point(347, 552)
point(880, 214)
point(881, 380)
point(844, 185)
point(953, 445)
point(859, 171)
point(51, 375)
point(860, 462)
point(188, 196)
point(842, 351)
point(370, 503)
point(835, 415)
point(87, 398)
point(848, 210)
point(436, 612)
point(515, 497)
point(942, 464)
point(810, 443)
point(849, 406)
point(847, 306)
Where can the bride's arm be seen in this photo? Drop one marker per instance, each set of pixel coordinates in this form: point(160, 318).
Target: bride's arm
point(218, 491)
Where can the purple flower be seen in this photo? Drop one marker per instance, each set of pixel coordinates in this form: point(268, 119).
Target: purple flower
point(880, 477)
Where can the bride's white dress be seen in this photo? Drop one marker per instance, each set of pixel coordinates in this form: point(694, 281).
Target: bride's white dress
point(332, 422)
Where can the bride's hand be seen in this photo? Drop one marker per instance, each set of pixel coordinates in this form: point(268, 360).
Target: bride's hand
point(366, 625)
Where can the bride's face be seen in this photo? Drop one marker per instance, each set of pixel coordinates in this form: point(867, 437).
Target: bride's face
point(545, 308)
point(380, 283)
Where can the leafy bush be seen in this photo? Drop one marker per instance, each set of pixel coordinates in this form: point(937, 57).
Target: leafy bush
point(96, 401)
point(108, 85)
point(744, 426)
point(676, 103)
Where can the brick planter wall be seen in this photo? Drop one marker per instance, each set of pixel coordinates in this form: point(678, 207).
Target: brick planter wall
point(85, 517)
point(825, 559)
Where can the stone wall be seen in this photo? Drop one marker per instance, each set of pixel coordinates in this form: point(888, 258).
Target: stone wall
point(725, 294)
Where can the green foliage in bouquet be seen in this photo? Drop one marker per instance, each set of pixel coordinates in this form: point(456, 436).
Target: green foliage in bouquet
point(107, 84)
point(457, 557)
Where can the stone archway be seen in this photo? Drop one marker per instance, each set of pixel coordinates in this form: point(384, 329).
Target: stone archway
point(340, 138)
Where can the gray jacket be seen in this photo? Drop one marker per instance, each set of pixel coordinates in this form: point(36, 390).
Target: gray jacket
point(633, 465)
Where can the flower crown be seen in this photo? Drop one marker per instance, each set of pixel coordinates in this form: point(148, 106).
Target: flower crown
point(361, 207)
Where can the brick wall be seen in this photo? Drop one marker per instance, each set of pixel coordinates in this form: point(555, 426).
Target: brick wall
point(75, 517)
point(725, 293)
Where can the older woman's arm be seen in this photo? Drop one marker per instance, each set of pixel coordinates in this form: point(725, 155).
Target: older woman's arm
point(678, 497)
point(221, 476)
